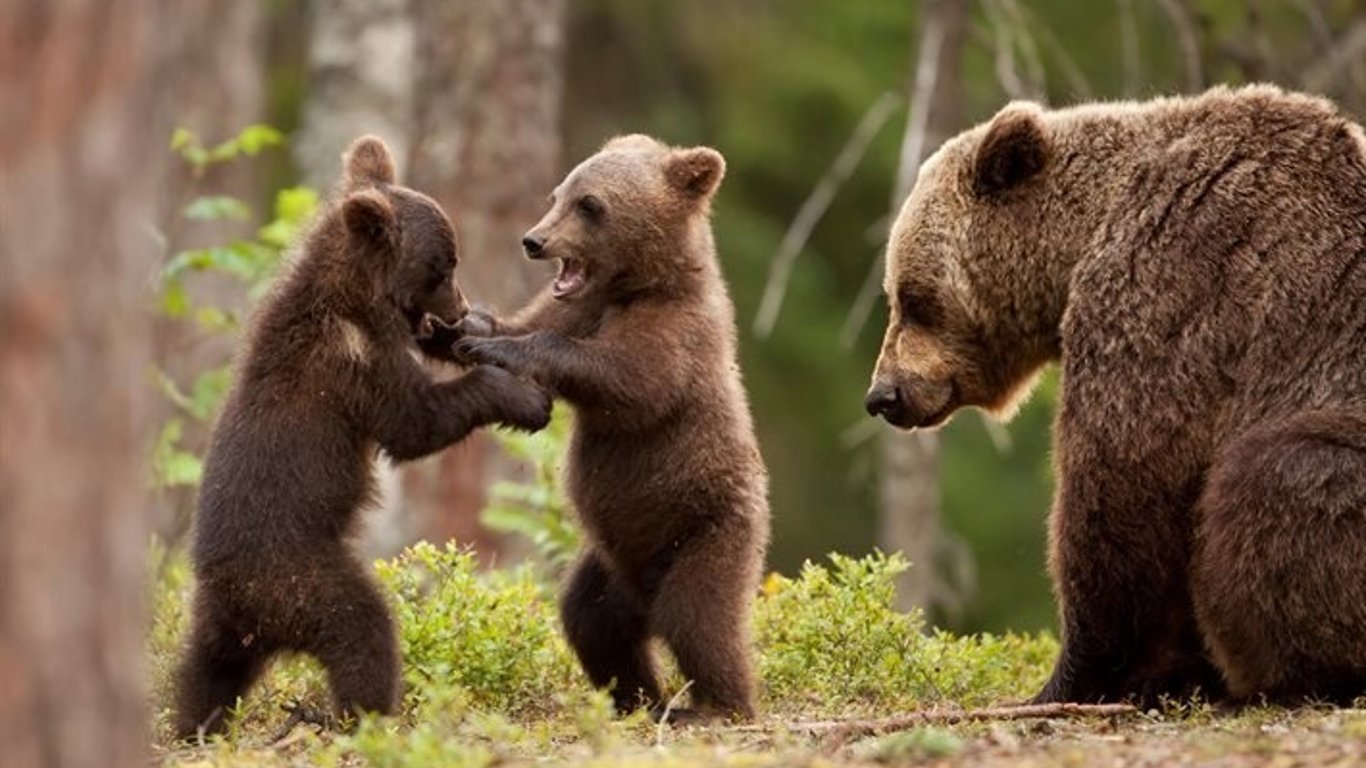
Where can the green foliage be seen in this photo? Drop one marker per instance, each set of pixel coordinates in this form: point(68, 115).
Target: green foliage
point(251, 262)
point(833, 637)
point(914, 745)
point(493, 635)
point(488, 675)
point(537, 507)
point(249, 141)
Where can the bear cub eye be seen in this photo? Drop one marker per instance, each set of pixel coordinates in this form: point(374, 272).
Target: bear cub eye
point(590, 208)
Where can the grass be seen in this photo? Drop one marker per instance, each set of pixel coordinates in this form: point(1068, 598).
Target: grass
point(489, 681)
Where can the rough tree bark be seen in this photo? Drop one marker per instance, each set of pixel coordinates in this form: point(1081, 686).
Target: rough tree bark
point(219, 54)
point(908, 492)
point(81, 153)
point(361, 68)
point(487, 147)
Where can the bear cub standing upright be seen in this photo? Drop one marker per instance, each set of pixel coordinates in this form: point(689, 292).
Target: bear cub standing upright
point(327, 379)
point(638, 333)
point(1198, 266)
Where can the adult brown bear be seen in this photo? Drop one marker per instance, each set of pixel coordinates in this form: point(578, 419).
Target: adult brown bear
point(1198, 266)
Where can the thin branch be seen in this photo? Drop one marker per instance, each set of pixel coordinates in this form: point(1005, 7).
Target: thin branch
point(847, 729)
point(1076, 80)
point(815, 207)
point(1348, 49)
point(1003, 48)
point(1183, 22)
point(1037, 83)
point(908, 167)
point(1129, 50)
point(862, 307)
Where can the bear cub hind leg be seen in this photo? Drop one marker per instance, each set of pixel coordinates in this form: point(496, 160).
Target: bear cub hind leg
point(608, 628)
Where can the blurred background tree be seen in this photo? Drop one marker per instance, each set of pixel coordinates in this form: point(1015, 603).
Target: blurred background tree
point(823, 111)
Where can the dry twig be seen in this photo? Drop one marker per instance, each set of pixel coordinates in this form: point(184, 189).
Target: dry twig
point(780, 270)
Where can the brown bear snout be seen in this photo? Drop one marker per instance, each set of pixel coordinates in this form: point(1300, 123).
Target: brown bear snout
point(882, 399)
point(910, 404)
point(533, 245)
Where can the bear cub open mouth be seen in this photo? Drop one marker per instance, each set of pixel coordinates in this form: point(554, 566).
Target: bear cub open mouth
point(573, 274)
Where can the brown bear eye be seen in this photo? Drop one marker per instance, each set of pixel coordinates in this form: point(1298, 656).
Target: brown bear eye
point(589, 207)
point(918, 309)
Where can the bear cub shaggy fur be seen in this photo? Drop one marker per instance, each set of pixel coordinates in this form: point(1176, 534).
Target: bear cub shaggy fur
point(328, 378)
point(637, 332)
point(1198, 266)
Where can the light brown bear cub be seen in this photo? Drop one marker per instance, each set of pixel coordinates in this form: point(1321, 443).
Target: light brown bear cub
point(638, 333)
point(1198, 266)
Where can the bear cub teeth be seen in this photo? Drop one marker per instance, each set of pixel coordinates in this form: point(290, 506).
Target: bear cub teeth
point(571, 278)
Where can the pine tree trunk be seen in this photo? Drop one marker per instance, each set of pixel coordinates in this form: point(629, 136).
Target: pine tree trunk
point(361, 68)
point(82, 147)
point(487, 147)
point(908, 493)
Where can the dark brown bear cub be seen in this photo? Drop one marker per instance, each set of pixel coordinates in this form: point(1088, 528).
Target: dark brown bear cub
point(638, 333)
point(328, 379)
point(1198, 267)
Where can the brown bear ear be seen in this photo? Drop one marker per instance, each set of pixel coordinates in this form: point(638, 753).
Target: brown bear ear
point(368, 215)
point(1013, 151)
point(695, 172)
point(368, 162)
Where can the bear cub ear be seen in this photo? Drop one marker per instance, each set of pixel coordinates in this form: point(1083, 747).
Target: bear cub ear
point(1014, 150)
point(695, 172)
point(368, 162)
point(368, 215)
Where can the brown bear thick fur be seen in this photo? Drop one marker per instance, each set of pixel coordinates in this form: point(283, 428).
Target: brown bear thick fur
point(327, 379)
point(638, 333)
point(1198, 266)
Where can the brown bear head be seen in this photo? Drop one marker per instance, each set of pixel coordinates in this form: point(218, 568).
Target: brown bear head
point(966, 326)
point(399, 237)
point(623, 221)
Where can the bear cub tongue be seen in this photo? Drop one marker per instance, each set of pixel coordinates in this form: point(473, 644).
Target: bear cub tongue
point(570, 279)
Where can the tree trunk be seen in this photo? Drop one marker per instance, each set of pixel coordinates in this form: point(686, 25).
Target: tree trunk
point(82, 147)
point(361, 68)
point(219, 54)
point(909, 473)
point(487, 147)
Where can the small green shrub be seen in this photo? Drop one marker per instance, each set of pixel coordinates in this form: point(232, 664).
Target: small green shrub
point(538, 507)
point(493, 634)
point(832, 638)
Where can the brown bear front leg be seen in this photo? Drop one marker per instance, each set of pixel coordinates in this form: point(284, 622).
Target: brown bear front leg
point(1120, 553)
point(608, 628)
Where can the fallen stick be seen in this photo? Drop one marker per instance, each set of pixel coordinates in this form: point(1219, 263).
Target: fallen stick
point(846, 729)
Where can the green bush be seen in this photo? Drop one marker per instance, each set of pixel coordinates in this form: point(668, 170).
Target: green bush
point(494, 634)
point(832, 638)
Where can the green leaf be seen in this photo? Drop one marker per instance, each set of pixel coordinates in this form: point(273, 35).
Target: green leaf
point(255, 138)
point(175, 300)
point(296, 205)
point(208, 391)
point(181, 138)
point(215, 319)
point(172, 391)
point(171, 465)
point(213, 208)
